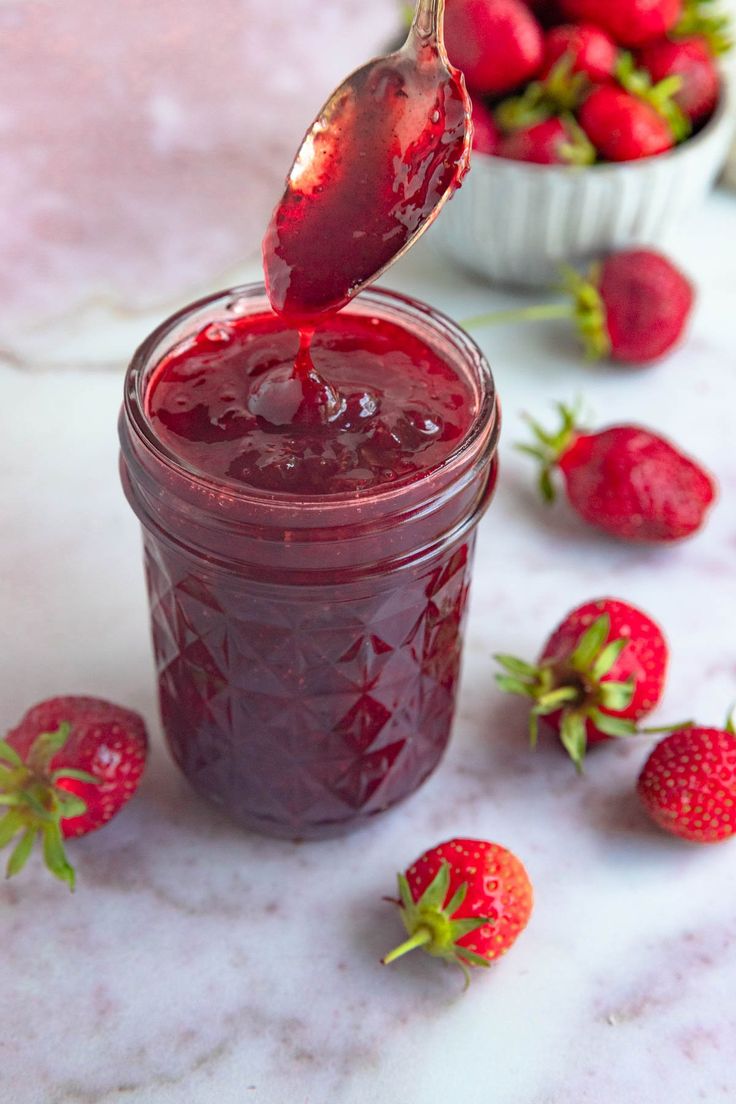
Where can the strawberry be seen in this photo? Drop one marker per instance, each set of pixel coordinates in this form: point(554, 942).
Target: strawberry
point(68, 768)
point(624, 127)
point(591, 51)
point(466, 901)
point(601, 671)
point(555, 141)
point(486, 134)
point(496, 43)
point(630, 22)
point(626, 480)
point(688, 784)
point(689, 59)
point(633, 308)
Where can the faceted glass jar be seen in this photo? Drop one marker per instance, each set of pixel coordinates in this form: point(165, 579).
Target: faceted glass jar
point(308, 648)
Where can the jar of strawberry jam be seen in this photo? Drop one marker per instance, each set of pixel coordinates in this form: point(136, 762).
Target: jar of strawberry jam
point(308, 529)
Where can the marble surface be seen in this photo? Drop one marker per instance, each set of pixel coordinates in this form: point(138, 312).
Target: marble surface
point(198, 964)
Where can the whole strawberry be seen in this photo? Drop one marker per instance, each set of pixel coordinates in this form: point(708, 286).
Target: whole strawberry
point(67, 769)
point(624, 127)
point(496, 43)
point(486, 135)
point(466, 901)
point(590, 50)
point(555, 141)
point(689, 59)
point(688, 784)
point(602, 670)
point(634, 307)
point(630, 22)
point(626, 480)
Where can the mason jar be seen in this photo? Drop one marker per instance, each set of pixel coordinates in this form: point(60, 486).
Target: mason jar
point(308, 648)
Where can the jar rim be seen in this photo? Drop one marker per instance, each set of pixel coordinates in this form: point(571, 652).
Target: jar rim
point(485, 418)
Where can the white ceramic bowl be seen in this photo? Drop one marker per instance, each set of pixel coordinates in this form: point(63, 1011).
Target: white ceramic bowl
point(514, 222)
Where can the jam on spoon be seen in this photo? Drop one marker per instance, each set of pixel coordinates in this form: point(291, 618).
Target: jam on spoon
point(384, 154)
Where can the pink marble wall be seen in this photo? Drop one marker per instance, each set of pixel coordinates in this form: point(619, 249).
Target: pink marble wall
point(144, 141)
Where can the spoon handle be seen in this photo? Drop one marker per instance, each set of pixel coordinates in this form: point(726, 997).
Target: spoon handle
point(428, 21)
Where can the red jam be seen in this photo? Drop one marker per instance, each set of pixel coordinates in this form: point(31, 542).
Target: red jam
point(238, 402)
point(308, 549)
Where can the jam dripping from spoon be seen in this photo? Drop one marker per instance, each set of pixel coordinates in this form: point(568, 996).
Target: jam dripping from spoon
point(384, 154)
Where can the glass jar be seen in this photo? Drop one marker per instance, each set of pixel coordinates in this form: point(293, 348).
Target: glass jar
point(308, 648)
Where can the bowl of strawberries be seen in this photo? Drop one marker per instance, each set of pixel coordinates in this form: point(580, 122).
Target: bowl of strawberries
point(598, 124)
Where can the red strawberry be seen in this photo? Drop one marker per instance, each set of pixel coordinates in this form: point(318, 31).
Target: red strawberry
point(555, 141)
point(486, 134)
point(691, 60)
point(496, 43)
point(466, 901)
point(634, 307)
point(626, 480)
point(630, 22)
point(688, 784)
point(623, 127)
point(600, 672)
point(68, 768)
point(591, 51)
point(646, 301)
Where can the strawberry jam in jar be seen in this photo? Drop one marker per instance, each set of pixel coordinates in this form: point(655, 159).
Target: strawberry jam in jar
point(309, 519)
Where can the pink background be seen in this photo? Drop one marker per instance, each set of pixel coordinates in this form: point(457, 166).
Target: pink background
point(144, 141)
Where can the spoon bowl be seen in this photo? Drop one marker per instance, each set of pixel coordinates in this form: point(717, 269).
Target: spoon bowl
point(384, 154)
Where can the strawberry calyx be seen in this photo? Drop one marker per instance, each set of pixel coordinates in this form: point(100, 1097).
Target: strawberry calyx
point(702, 18)
point(576, 688)
point(589, 310)
point(660, 96)
point(550, 447)
point(561, 92)
point(431, 924)
point(36, 803)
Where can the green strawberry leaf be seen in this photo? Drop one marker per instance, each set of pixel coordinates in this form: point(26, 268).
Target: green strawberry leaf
point(46, 746)
point(590, 644)
point(434, 895)
point(462, 928)
point(54, 856)
point(79, 775)
point(10, 755)
point(515, 686)
point(574, 738)
point(612, 726)
point(457, 899)
point(10, 824)
point(608, 658)
point(21, 852)
point(516, 666)
point(617, 696)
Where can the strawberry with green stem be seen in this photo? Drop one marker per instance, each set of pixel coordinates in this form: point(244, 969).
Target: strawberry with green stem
point(626, 480)
point(65, 770)
point(465, 901)
point(601, 671)
point(633, 307)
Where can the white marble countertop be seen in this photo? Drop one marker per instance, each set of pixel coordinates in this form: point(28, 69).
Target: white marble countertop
point(198, 964)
